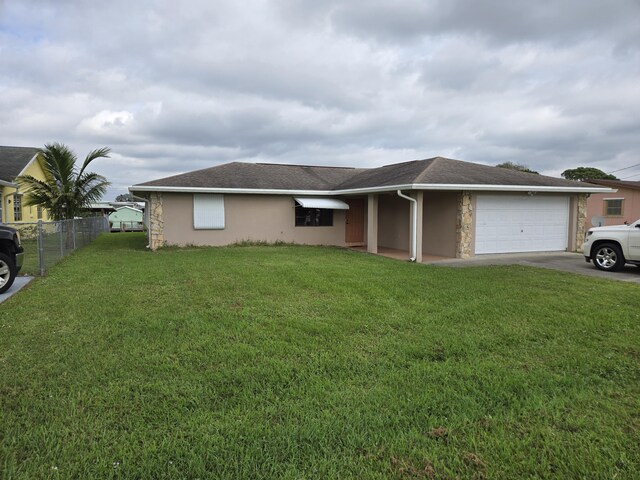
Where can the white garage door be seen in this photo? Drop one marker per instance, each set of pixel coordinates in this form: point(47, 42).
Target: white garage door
point(521, 223)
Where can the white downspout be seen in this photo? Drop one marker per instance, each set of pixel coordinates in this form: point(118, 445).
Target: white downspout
point(414, 239)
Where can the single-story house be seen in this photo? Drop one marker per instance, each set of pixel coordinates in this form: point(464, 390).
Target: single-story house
point(126, 218)
point(614, 209)
point(436, 207)
point(16, 161)
point(105, 208)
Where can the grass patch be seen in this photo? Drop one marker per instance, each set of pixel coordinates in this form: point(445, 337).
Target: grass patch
point(31, 265)
point(308, 362)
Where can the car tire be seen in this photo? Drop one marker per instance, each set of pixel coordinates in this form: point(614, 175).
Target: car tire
point(608, 257)
point(7, 272)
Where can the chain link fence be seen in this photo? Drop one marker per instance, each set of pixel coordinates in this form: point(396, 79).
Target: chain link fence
point(46, 243)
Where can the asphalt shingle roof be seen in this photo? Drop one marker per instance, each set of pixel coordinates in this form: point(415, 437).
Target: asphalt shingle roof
point(433, 171)
point(13, 160)
point(616, 183)
point(259, 176)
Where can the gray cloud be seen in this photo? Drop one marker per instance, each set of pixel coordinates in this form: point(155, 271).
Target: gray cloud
point(176, 86)
point(501, 21)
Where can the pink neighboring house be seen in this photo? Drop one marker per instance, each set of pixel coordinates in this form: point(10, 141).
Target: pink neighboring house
point(614, 208)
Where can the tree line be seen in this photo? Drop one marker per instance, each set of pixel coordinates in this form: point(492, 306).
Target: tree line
point(580, 174)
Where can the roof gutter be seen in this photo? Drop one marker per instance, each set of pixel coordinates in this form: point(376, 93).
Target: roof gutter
point(4, 183)
point(381, 189)
point(414, 219)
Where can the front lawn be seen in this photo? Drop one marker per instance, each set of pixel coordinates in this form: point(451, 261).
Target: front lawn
point(304, 362)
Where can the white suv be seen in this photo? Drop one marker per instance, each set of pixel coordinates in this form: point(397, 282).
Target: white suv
point(611, 247)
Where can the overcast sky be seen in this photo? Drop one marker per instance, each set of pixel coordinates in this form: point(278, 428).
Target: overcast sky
point(177, 86)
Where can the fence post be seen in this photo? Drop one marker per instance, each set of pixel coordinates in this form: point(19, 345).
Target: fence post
point(73, 232)
point(61, 230)
point(40, 248)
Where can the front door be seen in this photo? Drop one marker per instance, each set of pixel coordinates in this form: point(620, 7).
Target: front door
point(354, 228)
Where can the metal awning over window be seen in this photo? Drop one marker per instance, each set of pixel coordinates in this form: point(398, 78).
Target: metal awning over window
point(319, 202)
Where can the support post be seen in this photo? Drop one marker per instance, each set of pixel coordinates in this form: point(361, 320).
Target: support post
point(61, 230)
point(372, 223)
point(40, 248)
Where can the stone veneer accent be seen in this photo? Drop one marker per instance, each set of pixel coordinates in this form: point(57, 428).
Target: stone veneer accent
point(581, 221)
point(464, 226)
point(156, 221)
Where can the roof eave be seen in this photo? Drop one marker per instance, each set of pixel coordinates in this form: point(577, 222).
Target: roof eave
point(130, 208)
point(4, 183)
point(515, 188)
point(33, 159)
point(379, 189)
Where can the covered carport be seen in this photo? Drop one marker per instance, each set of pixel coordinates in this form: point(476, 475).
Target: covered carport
point(391, 224)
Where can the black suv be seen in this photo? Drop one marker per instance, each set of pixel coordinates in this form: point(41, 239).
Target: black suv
point(11, 256)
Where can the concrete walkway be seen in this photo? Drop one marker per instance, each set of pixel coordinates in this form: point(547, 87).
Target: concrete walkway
point(18, 284)
point(563, 261)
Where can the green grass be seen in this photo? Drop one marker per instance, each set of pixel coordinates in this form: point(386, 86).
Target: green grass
point(303, 362)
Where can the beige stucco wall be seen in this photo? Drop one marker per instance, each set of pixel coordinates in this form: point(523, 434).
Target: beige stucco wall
point(630, 206)
point(268, 218)
point(393, 222)
point(448, 227)
point(439, 223)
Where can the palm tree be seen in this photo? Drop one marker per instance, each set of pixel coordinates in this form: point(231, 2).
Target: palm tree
point(66, 192)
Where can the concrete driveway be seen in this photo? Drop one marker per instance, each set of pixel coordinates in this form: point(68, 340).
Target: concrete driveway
point(563, 261)
point(18, 284)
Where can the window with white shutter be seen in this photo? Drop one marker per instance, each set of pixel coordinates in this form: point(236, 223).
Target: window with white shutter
point(208, 211)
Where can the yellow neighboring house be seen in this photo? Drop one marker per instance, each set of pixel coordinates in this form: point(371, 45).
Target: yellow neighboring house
point(16, 161)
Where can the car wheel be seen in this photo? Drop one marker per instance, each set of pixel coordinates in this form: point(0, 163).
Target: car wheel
point(7, 272)
point(608, 257)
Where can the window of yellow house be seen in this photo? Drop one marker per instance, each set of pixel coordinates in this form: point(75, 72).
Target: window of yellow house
point(39, 213)
point(17, 208)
